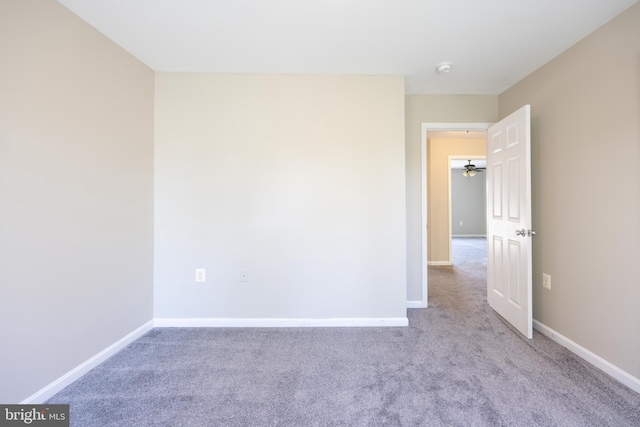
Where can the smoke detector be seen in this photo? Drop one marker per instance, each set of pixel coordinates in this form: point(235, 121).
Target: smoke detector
point(444, 68)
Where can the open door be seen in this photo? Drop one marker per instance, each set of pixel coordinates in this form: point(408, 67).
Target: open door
point(509, 219)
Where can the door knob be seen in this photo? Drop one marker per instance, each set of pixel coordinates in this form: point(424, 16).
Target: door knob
point(522, 232)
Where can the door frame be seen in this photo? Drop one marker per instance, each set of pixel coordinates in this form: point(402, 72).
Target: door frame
point(425, 128)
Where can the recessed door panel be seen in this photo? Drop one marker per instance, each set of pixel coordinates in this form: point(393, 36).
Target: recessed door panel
point(512, 136)
point(496, 142)
point(514, 272)
point(498, 284)
point(513, 192)
point(496, 199)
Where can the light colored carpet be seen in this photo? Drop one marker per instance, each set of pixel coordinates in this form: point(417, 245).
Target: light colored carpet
point(458, 364)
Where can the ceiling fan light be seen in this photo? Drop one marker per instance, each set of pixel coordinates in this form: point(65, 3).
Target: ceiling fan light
point(472, 173)
point(465, 173)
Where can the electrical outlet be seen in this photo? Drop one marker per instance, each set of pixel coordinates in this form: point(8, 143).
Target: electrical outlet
point(244, 275)
point(546, 281)
point(461, 223)
point(201, 275)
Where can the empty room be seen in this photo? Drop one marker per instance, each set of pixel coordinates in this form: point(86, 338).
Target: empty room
point(240, 213)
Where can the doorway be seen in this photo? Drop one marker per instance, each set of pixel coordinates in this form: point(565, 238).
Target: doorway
point(427, 131)
point(467, 207)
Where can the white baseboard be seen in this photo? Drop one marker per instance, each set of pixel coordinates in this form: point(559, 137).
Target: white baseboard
point(278, 322)
point(625, 378)
point(416, 304)
point(440, 263)
point(49, 391)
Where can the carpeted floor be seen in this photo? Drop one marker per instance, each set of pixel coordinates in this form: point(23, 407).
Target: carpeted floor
point(457, 364)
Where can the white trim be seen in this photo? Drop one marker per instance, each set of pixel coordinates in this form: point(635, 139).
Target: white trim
point(449, 220)
point(50, 390)
point(423, 254)
point(416, 304)
point(625, 378)
point(278, 322)
point(426, 127)
point(440, 263)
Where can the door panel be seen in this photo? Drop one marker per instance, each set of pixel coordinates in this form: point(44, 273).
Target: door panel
point(496, 255)
point(514, 190)
point(496, 201)
point(508, 239)
point(514, 273)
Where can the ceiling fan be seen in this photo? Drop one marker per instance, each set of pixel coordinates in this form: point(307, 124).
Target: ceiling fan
point(471, 169)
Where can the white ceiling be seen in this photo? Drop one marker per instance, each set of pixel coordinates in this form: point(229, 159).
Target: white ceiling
point(492, 44)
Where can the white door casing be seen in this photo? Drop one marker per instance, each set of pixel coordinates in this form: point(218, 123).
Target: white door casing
point(509, 234)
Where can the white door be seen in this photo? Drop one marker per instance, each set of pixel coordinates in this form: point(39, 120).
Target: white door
point(509, 219)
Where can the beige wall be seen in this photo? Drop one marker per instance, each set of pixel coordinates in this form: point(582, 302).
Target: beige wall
point(76, 188)
point(438, 152)
point(432, 109)
point(299, 179)
point(585, 107)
